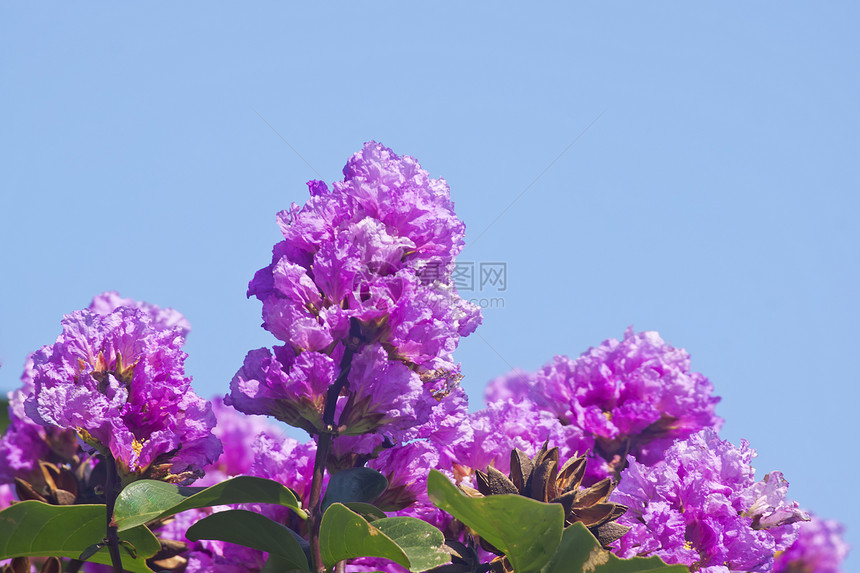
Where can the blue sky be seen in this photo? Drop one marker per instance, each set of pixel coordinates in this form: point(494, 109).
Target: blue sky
point(688, 168)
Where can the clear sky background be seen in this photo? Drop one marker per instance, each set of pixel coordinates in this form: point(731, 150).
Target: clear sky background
point(690, 168)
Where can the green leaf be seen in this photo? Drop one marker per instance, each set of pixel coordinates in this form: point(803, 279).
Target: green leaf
point(252, 530)
point(4, 415)
point(145, 500)
point(421, 542)
point(33, 528)
point(580, 551)
point(277, 564)
point(527, 531)
point(354, 485)
point(344, 535)
point(367, 511)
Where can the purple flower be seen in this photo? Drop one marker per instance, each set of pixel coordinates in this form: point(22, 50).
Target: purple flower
point(238, 433)
point(286, 461)
point(373, 565)
point(354, 451)
point(496, 430)
point(162, 318)
point(118, 381)
point(235, 560)
point(513, 387)
point(26, 442)
point(406, 468)
point(447, 425)
point(819, 548)
point(381, 392)
point(363, 268)
point(636, 395)
point(291, 388)
point(7, 495)
point(365, 249)
point(702, 507)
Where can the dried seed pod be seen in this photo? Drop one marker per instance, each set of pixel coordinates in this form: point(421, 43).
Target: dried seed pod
point(543, 479)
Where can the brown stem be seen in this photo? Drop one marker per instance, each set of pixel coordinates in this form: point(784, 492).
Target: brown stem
point(111, 493)
point(324, 444)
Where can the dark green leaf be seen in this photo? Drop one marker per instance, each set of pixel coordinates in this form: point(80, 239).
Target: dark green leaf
point(344, 535)
point(277, 564)
point(252, 530)
point(90, 551)
point(145, 500)
point(421, 542)
point(580, 551)
point(528, 531)
point(354, 485)
point(366, 510)
point(33, 528)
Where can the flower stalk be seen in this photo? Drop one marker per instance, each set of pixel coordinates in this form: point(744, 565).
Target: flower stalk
point(324, 443)
point(111, 493)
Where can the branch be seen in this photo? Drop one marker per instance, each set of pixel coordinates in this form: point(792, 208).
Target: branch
point(326, 437)
point(111, 493)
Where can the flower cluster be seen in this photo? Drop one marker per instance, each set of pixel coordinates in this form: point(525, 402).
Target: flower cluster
point(635, 402)
point(360, 295)
point(161, 318)
point(628, 394)
point(26, 442)
point(702, 507)
point(361, 283)
point(117, 380)
point(819, 548)
point(492, 433)
point(238, 434)
point(634, 396)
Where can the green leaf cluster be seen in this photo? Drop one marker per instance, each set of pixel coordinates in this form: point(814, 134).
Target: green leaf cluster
point(530, 533)
point(33, 528)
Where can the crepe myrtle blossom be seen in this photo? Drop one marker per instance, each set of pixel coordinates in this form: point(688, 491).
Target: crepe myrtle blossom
point(162, 318)
point(118, 381)
point(492, 433)
point(361, 280)
point(26, 442)
point(238, 434)
point(406, 468)
point(820, 548)
point(380, 247)
point(447, 425)
point(7, 495)
point(636, 395)
point(702, 507)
